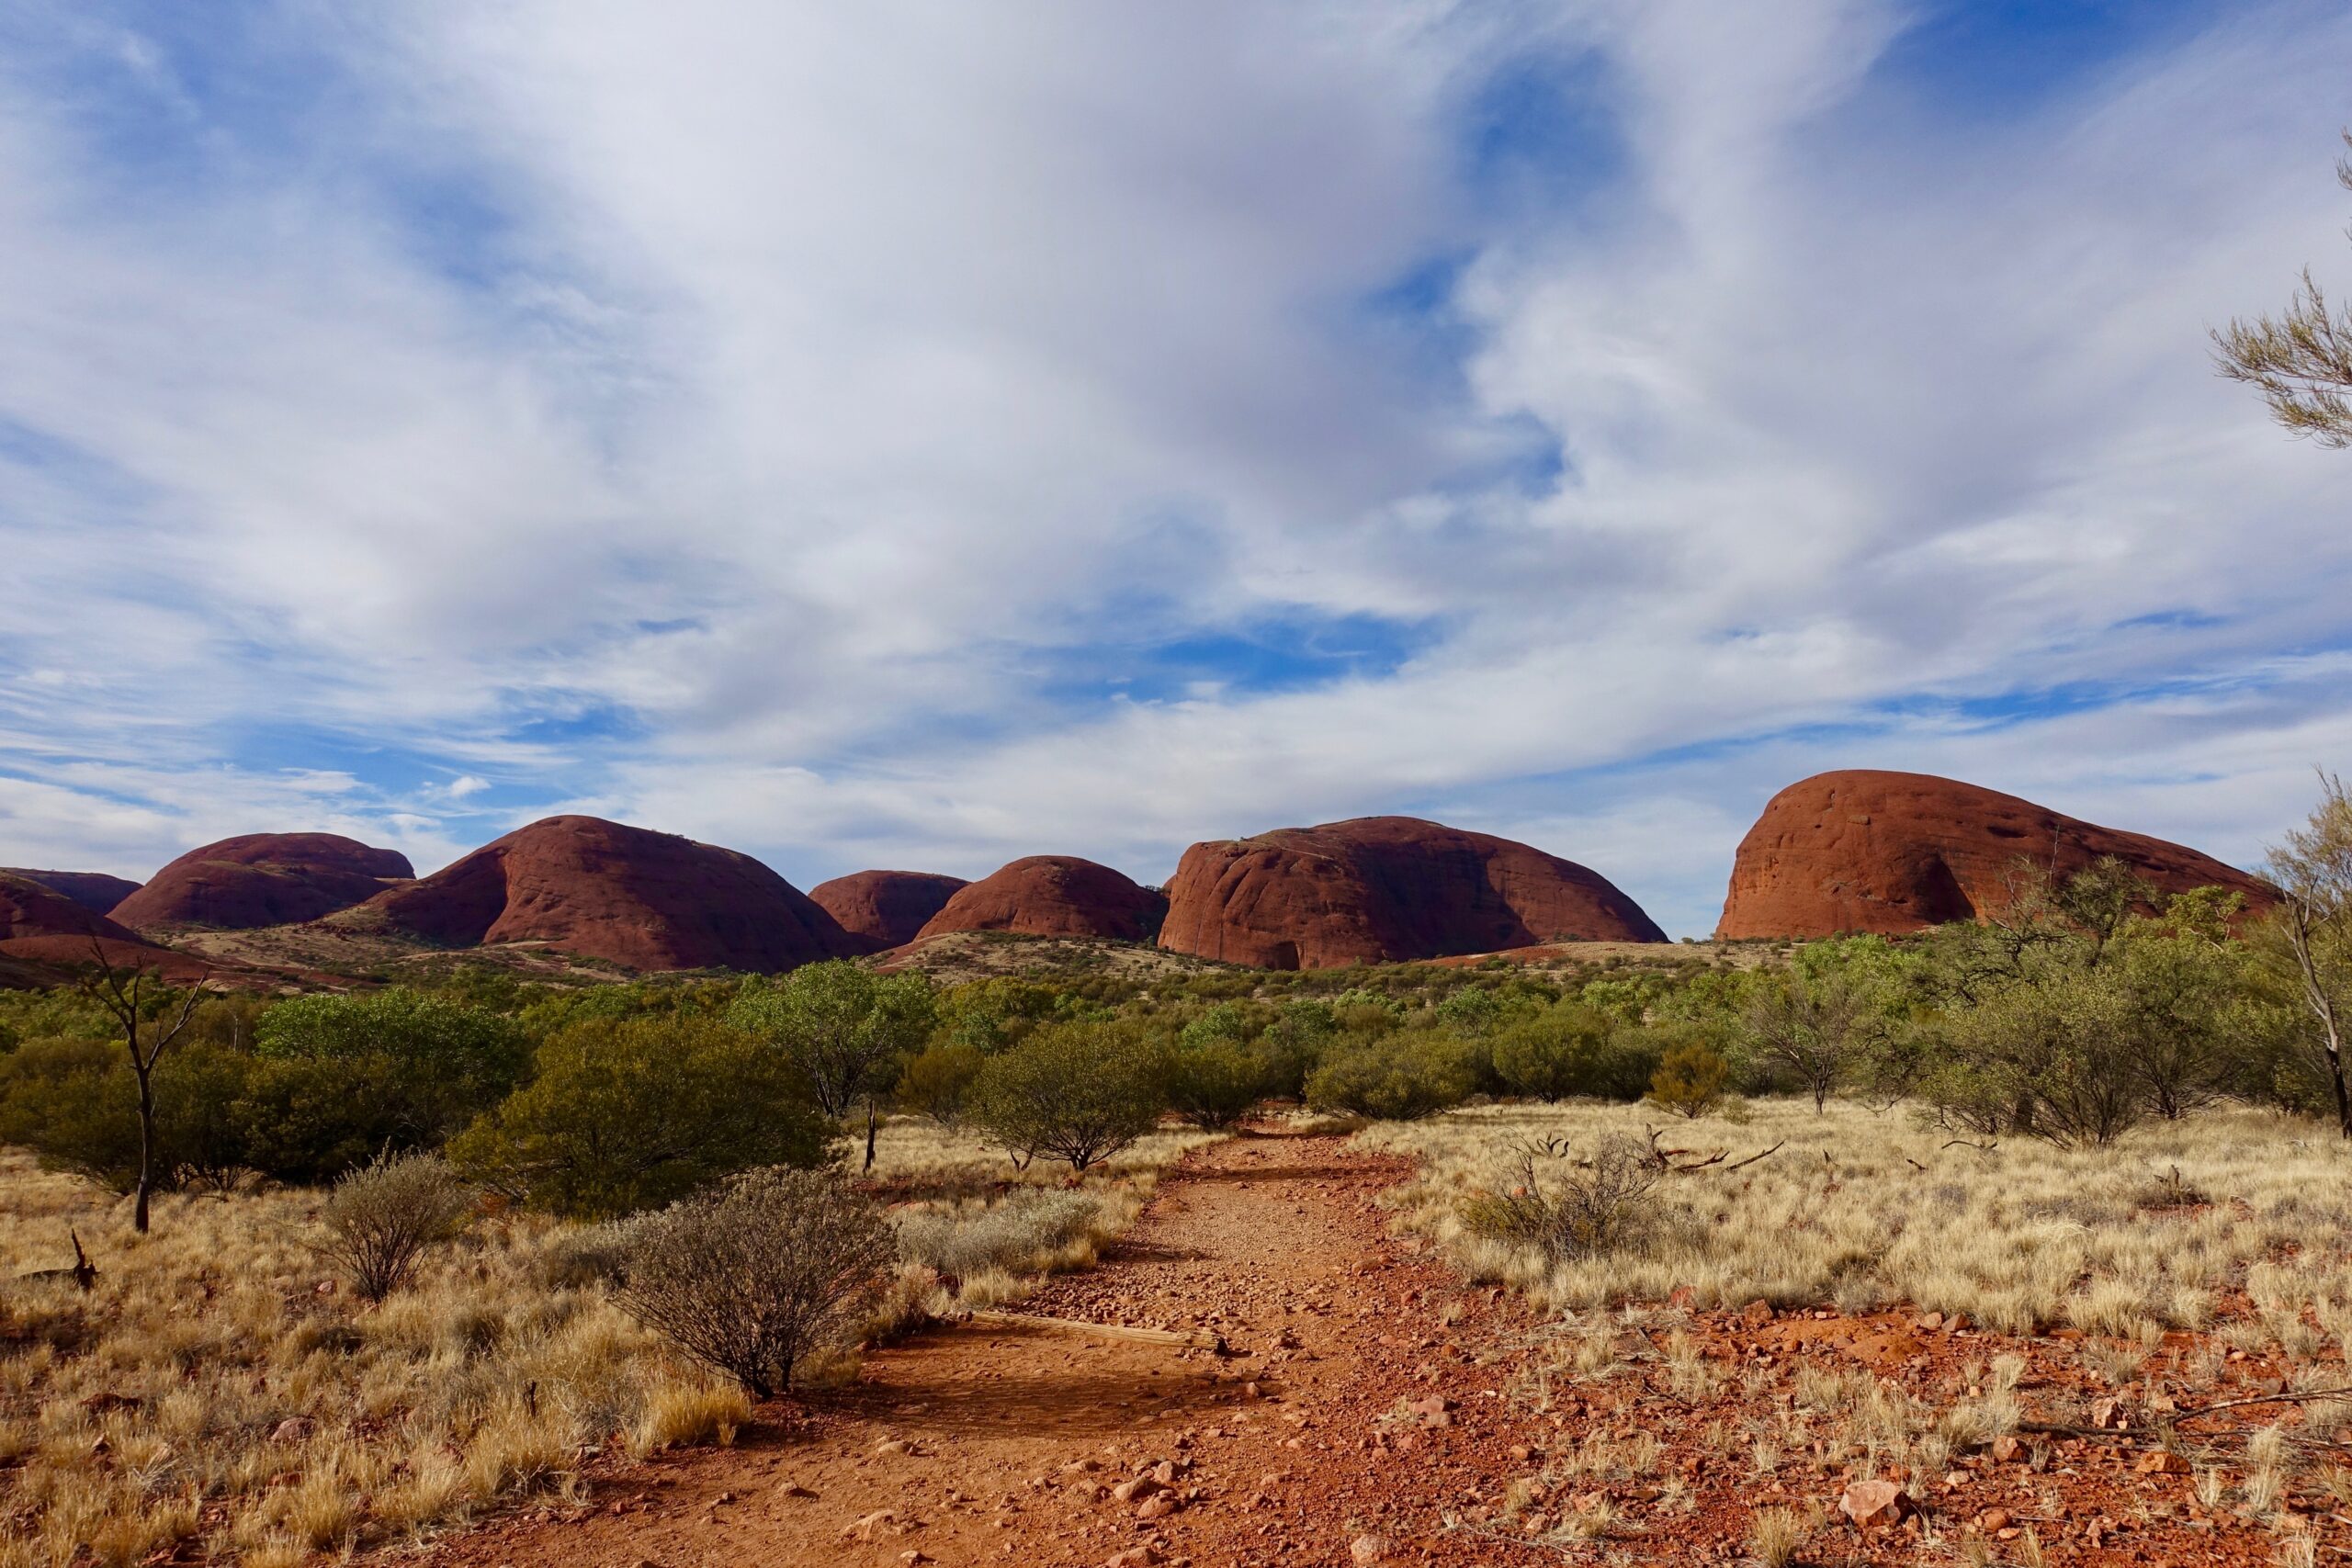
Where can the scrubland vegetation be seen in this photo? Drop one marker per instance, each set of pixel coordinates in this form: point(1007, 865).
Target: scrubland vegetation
point(419, 1251)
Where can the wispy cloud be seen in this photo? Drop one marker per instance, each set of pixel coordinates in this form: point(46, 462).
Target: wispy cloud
point(914, 434)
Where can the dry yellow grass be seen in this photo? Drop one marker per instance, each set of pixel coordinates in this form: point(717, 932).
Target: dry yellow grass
point(1864, 1209)
point(219, 1385)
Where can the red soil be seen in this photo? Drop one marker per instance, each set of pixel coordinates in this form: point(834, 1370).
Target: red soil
point(1861, 851)
point(1388, 1401)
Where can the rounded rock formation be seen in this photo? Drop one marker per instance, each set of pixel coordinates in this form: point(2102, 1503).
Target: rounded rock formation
point(94, 890)
point(1052, 896)
point(884, 908)
point(1865, 851)
point(628, 895)
point(262, 879)
point(41, 926)
point(1383, 890)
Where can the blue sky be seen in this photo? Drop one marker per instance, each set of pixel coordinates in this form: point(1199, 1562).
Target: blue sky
point(902, 436)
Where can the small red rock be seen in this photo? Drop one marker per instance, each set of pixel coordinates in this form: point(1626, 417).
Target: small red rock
point(1875, 1503)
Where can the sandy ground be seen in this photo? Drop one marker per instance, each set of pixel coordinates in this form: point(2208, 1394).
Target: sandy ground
point(1369, 1408)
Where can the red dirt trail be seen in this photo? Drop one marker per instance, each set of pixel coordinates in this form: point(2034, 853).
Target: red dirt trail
point(971, 1445)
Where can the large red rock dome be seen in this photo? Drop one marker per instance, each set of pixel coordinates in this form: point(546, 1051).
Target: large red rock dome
point(40, 925)
point(262, 879)
point(1864, 850)
point(94, 890)
point(630, 895)
point(1384, 889)
point(885, 909)
point(1052, 896)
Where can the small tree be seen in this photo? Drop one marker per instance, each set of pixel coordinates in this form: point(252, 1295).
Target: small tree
point(1079, 1091)
point(382, 1217)
point(1216, 1084)
point(1395, 1078)
point(625, 1116)
point(1563, 1050)
point(846, 1028)
point(2313, 870)
point(130, 993)
point(1691, 1079)
point(751, 1276)
point(938, 1083)
point(1816, 1026)
point(2301, 362)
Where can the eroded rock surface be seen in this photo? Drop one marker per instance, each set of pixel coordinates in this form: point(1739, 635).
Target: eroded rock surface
point(630, 895)
point(1865, 851)
point(1385, 889)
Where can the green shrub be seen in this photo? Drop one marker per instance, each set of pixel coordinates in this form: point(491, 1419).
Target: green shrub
point(75, 1104)
point(1217, 1083)
point(1566, 1049)
point(426, 1065)
point(627, 1115)
point(1393, 1077)
point(1079, 1092)
point(938, 1083)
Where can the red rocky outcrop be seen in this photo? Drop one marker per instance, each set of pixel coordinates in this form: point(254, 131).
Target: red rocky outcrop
point(1864, 850)
point(1384, 889)
point(630, 895)
point(262, 879)
point(1052, 896)
point(885, 909)
point(94, 890)
point(41, 926)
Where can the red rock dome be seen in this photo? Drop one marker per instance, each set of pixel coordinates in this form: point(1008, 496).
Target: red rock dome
point(40, 925)
point(262, 879)
point(1052, 895)
point(884, 908)
point(630, 895)
point(1384, 889)
point(1864, 850)
point(94, 890)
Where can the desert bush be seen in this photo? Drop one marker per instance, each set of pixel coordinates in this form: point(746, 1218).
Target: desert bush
point(382, 1217)
point(1566, 1049)
point(1586, 1208)
point(1077, 1091)
point(1393, 1077)
point(429, 1066)
point(74, 1103)
point(1216, 1083)
point(1013, 1235)
point(938, 1082)
point(1692, 1078)
point(751, 1276)
point(630, 1114)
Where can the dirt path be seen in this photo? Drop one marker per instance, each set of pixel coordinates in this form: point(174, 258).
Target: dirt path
point(971, 1445)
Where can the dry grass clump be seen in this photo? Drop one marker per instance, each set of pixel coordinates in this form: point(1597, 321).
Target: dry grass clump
point(219, 1384)
point(222, 1385)
point(1862, 1209)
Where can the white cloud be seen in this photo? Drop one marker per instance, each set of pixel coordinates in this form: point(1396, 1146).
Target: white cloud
point(827, 376)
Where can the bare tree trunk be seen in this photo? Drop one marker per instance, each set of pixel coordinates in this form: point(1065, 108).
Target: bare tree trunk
point(869, 1133)
point(2323, 1006)
point(146, 1146)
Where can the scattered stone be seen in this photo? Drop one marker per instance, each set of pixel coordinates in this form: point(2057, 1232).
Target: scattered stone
point(1135, 1490)
point(1157, 1507)
point(2106, 1415)
point(2005, 1448)
point(2164, 1461)
point(1371, 1549)
point(1872, 1504)
point(875, 1526)
point(1757, 1313)
point(1134, 1557)
point(1930, 1321)
point(793, 1489)
point(294, 1429)
point(1993, 1520)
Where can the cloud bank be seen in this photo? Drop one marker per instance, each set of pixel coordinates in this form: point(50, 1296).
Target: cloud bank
point(923, 435)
